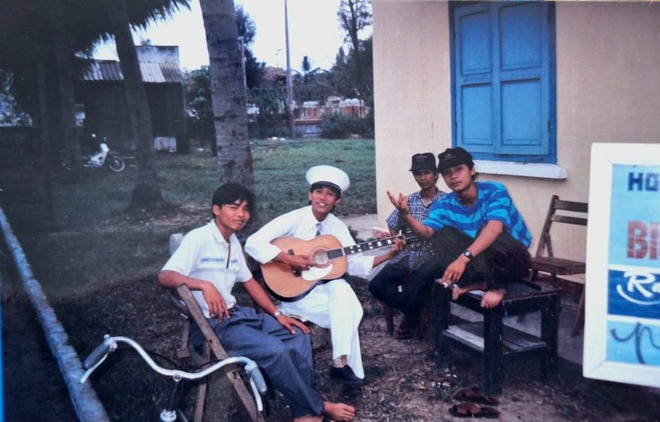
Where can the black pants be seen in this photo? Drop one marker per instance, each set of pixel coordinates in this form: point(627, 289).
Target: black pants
point(386, 286)
point(505, 261)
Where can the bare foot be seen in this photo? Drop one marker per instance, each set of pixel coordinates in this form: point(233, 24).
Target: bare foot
point(459, 291)
point(492, 298)
point(338, 411)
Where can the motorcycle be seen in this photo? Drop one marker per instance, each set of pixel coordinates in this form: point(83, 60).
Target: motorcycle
point(104, 155)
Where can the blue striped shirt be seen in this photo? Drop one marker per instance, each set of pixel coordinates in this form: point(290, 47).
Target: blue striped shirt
point(493, 203)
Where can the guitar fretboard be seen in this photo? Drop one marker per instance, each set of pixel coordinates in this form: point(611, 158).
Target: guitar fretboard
point(366, 246)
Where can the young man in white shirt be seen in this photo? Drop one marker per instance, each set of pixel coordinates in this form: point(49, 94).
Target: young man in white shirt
point(332, 304)
point(210, 261)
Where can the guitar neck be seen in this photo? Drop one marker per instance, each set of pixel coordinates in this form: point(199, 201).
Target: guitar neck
point(366, 246)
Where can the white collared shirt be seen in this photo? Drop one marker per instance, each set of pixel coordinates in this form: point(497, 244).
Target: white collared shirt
point(301, 224)
point(205, 254)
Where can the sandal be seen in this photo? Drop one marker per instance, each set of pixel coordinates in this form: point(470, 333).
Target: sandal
point(474, 394)
point(473, 410)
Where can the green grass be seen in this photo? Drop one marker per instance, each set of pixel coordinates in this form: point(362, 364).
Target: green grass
point(94, 240)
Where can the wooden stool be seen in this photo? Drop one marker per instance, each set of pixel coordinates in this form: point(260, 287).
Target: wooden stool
point(490, 338)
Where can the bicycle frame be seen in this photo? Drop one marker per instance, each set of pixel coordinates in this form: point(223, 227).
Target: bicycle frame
point(110, 344)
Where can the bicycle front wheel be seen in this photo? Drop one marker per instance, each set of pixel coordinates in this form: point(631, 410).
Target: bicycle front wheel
point(115, 162)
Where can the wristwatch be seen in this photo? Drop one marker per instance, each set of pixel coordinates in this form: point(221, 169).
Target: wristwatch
point(277, 313)
point(468, 254)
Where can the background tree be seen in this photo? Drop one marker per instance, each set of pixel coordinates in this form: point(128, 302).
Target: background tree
point(343, 74)
point(248, 30)
point(355, 16)
point(228, 92)
point(146, 191)
point(198, 82)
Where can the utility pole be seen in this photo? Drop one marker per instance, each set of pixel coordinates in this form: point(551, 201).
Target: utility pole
point(289, 86)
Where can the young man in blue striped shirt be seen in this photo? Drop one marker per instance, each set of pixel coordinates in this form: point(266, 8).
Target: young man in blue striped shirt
point(479, 238)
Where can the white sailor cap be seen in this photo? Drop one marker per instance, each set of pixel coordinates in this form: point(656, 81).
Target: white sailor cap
point(330, 176)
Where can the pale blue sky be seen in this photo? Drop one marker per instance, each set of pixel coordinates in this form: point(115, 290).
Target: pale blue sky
point(313, 31)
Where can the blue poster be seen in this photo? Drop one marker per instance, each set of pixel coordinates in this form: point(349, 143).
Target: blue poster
point(633, 299)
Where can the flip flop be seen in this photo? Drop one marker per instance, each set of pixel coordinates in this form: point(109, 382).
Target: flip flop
point(473, 410)
point(474, 394)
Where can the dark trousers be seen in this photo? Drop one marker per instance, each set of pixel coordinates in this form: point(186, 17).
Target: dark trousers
point(505, 261)
point(386, 286)
point(285, 358)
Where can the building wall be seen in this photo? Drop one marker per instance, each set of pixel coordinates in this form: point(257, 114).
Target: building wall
point(412, 92)
point(608, 88)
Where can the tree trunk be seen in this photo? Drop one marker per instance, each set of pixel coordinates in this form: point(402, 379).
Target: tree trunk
point(66, 99)
point(147, 190)
point(228, 92)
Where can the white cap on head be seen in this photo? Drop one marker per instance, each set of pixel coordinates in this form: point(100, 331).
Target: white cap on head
point(330, 176)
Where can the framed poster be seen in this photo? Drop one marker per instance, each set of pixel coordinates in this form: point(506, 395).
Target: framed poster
point(622, 325)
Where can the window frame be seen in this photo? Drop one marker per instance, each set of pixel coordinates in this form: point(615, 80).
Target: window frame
point(545, 162)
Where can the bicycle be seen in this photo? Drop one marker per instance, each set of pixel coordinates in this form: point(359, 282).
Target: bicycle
point(170, 412)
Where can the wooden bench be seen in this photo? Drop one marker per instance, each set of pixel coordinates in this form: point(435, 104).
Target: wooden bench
point(490, 338)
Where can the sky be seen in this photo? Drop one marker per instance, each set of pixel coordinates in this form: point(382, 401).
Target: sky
point(313, 31)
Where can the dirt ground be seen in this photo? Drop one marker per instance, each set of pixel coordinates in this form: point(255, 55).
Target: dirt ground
point(402, 381)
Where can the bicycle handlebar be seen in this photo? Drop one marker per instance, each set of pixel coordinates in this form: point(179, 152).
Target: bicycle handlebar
point(99, 354)
point(109, 345)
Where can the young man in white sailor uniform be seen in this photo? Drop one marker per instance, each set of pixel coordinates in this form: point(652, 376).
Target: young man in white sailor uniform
point(332, 304)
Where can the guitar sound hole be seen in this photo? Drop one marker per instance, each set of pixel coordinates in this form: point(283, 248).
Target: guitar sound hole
point(321, 258)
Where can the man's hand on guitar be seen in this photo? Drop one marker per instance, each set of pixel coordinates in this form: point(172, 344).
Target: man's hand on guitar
point(400, 202)
point(398, 246)
point(297, 262)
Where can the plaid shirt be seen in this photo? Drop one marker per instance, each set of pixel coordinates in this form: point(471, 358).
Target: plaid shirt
point(418, 251)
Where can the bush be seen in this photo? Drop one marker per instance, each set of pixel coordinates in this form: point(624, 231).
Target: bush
point(268, 125)
point(339, 126)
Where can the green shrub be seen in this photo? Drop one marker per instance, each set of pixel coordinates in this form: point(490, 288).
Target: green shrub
point(339, 126)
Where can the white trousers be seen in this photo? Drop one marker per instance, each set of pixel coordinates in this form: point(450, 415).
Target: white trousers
point(334, 305)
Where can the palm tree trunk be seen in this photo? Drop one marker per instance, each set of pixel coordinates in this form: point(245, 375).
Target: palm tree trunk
point(228, 92)
point(147, 190)
point(65, 77)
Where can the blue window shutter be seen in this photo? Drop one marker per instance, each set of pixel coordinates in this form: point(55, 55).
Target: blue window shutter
point(502, 81)
point(474, 73)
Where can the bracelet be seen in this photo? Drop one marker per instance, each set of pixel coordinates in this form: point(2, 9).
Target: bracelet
point(277, 313)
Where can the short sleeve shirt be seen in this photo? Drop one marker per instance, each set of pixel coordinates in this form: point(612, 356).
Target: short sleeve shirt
point(205, 254)
point(493, 203)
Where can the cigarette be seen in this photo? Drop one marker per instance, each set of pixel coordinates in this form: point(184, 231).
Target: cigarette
point(443, 283)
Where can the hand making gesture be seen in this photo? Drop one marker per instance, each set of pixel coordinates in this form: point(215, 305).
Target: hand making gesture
point(400, 203)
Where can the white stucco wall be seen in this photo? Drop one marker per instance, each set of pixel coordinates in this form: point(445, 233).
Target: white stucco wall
point(608, 90)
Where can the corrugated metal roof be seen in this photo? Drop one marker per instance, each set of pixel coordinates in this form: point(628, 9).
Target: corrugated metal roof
point(152, 72)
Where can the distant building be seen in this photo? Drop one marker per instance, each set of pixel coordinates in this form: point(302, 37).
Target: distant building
point(100, 91)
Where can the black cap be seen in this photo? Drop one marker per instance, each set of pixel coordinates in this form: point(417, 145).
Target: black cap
point(453, 157)
point(423, 161)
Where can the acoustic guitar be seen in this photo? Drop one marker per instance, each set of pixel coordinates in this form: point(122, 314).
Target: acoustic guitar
point(288, 284)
